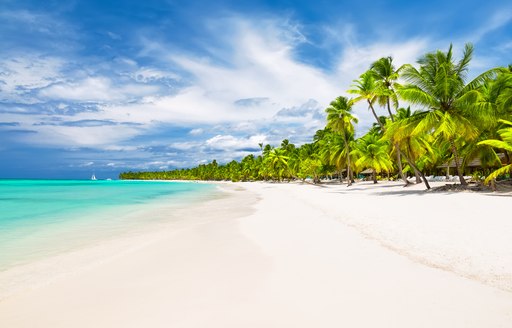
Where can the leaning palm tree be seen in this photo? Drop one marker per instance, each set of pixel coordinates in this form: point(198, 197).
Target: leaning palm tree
point(341, 120)
point(412, 146)
point(368, 88)
point(386, 76)
point(371, 152)
point(451, 106)
point(505, 144)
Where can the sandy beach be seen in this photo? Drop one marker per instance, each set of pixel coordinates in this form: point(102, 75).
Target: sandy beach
point(287, 255)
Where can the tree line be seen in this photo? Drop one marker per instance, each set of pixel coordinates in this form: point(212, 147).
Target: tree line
point(448, 119)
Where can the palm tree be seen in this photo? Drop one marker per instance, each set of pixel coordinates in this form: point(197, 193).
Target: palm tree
point(341, 120)
point(413, 147)
point(451, 104)
point(386, 76)
point(506, 144)
point(278, 161)
point(495, 94)
point(367, 88)
point(372, 153)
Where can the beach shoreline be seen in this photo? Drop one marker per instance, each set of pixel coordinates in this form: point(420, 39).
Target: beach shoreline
point(292, 254)
point(166, 218)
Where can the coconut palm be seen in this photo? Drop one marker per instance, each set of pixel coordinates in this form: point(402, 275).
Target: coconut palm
point(505, 144)
point(367, 89)
point(330, 144)
point(341, 120)
point(371, 152)
point(439, 85)
point(413, 147)
point(310, 162)
point(370, 89)
point(278, 162)
point(386, 76)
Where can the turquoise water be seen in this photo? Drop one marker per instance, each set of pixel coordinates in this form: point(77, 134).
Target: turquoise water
point(39, 218)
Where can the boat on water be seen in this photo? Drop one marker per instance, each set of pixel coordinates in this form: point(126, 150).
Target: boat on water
point(93, 177)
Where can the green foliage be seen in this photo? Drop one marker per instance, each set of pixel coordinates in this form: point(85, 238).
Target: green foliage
point(372, 152)
point(505, 144)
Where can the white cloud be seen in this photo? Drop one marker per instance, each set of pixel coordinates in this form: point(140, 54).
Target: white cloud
point(188, 145)
point(87, 164)
point(196, 132)
point(499, 19)
point(95, 89)
point(147, 74)
point(229, 142)
point(38, 22)
point(357, 59)
point(22, 74)
point(100, 137)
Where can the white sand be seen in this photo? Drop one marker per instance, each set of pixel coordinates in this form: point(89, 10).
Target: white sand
point(288, 255)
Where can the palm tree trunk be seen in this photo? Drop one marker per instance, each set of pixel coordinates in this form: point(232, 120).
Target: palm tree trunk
point(507, 157)
point(349, 175)
point(347, 151)
point(457, 164)
point(418, 178)
point(399, 163)
point(399, 160)
point(417, 173)
point(375, 114)
point(389, 111)
point(417, 170)
point(374, 176)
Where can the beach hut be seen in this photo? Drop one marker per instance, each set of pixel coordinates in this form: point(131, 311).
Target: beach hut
point(366, 174)
point(472, 166)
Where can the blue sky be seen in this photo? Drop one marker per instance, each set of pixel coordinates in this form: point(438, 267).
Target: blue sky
point(107, 86)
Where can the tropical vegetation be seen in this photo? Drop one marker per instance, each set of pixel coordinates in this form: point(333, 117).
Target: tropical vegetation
point(451, 122)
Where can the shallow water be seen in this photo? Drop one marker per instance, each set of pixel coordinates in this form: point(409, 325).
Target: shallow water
point(39, 218)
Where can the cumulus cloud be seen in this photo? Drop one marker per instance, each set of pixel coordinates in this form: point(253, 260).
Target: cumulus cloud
point(306, 110)
point(229, 142)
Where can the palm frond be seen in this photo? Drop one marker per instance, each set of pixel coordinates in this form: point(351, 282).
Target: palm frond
point(501, 171)
point(497, 144)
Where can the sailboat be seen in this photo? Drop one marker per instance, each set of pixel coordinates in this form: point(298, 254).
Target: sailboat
point(93, 177)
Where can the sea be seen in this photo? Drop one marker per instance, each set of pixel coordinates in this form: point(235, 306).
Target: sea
point(41, 218)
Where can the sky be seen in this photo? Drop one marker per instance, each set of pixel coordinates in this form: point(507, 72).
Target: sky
point(109, 86)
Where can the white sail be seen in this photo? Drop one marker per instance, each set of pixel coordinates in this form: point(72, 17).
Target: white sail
point(93, 177)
